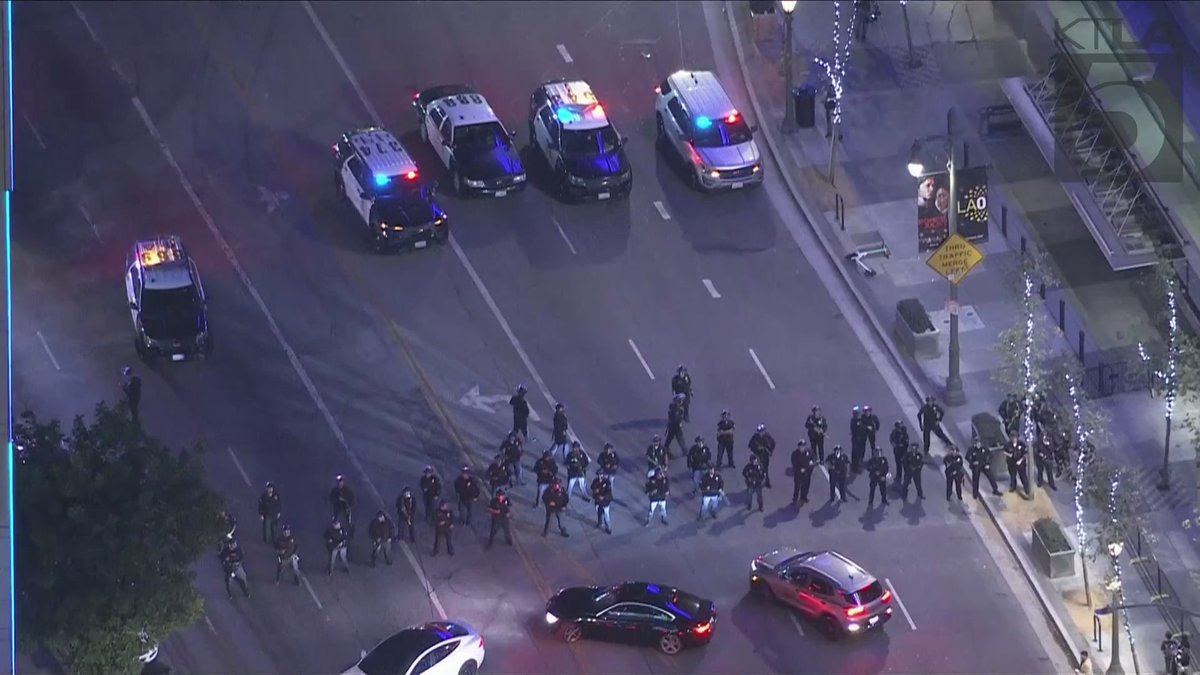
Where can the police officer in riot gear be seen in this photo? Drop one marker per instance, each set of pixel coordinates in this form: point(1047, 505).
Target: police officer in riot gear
point(954, 471)
point(231, 563)
point(269, 510)
point(1010, 414)
point(577, 464)
point(871, 425)
point(656, 453)
point(337, 544)
point(341, 499)
point(466, 489)
point(546, 470)
point(500, 509)
point(561, 433)
point(725, 439)
point(681, 384)
point(899, 441)
point(711, 488)
point(699, 459)
point(754, 475)
point(511, 451)
point(286, 555)
point(443, 528)
point(839, 469)
point(608, 462)
point(555, 499)
point(602, 494)
point(382, 531)
point(804, 460)
point(520, 412)
point(1016, 456)
point(979, 460)
point(431, 491)
point(657, 492)
point(406, 512)
point(930, 416)
point(858, 439)
point(497, 474)
point(1044, 463)
point(914, 462)
point(878, 470)
point(817, 426)
point(762, 446)
point(675, 423)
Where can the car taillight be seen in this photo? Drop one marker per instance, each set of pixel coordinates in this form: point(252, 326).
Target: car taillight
point(703, 629)
point(852, 612)
point(886, 597)
point(481, 642)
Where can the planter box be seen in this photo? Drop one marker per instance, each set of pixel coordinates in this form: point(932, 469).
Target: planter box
point(990, 431)
point(921, 340)
point(1052, 550)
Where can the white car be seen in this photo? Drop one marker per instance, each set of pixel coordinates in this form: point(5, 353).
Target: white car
point(434, 648)
point(470, 141)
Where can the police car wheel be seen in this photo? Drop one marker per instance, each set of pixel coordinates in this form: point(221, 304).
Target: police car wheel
point(422, 131)
point(459, 186)
point(694, 179)
point(560, 180)
point(338, 186)
point(442, 236)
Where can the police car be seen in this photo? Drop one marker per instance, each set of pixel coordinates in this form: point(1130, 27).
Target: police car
point(380, 181)
point(571, 129)
point(166, 301)
point(469, 140)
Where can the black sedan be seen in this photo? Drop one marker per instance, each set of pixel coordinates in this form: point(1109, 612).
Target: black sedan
point(636, 612)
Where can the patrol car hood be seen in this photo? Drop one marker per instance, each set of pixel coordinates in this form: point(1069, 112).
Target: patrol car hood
point(494, 163)
point(730, 156)
point(170, 326)
point(597, 166)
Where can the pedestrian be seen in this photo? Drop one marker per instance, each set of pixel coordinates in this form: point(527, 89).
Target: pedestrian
point(762, 445)
point(878, 470)
point(816, 426)
point(466, 489)
point(1168, 647)
point(431, 491)
point(754, 476)
point(979, 459)
point(657, 491)
point(609, 463)
point(336, 543)
point(131, 388)
point(227, 523)
point(443, 528)
point(930, 416)
point(858, 439)
point(269, 510)
point(231, 564)
point(602, 493)
point(520, 412)
point(681, 384)
point(1085, 664)
point(862, 17)
point(804, 460)
point(1044, 463)
point(1010, 414)
point(711, 488)
point(1183, 655)
point(899, 441)
point(555, 500)
point(675, 424)
point(577, 465)
point(546, 470)
point(839, 468)
point(914, 462)
point(286, 555)
point(831, 104)
point(699, 459)
point(382, 532)
point(501, 511)
point(561, 433)
point(1016, 455)
point(512, 449)
point(406, 513)
point(954, 472)
point(341, 500)
point(871, 426)
point(497, 474)
point(725, 439)
point(656, 453)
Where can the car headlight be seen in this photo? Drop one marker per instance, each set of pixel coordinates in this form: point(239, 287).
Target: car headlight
point(519, 178)
point(474, 183)
point(551, 619)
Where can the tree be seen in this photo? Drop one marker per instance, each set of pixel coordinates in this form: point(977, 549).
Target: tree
point(108, 525)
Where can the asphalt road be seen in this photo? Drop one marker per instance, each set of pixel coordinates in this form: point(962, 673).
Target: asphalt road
point(330, 359)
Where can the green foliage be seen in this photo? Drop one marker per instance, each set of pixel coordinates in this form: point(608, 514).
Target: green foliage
point(914, 315)
point(109, 524)
point(1127, 517)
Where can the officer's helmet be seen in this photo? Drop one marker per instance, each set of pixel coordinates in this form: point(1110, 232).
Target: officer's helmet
point(608, 446)
point(837, 448)
point(899, 424)
point(656, 439)
point(699, 439)
point(762, 428)
point(521, 389)
point(380, 516)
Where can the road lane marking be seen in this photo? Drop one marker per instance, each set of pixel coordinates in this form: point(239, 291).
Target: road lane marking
point(824, 471)
point(112, 63)
point(900, 602)
point(241, 470)
point(796, 622)
point(562, 49)
point(641, 360)
point(88, 217)
point(562, 233)
point(211, 627)
point(311, 593)
point(36, 136)
point(49, 353)
point(712, 290)
point(662, 210)
point(337, 56)
point(762, 370)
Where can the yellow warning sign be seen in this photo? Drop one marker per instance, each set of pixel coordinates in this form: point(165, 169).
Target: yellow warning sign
point(955, 258)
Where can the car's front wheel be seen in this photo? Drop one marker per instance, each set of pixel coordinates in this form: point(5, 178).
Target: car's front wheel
point(572, 633)
point(469, 668)
point(670, 644)
point(460, 187)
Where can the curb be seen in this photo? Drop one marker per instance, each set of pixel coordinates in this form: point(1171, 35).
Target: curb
point(1064, 635)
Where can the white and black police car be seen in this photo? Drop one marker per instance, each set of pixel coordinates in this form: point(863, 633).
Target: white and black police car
point(571, 129)
point(166, 301)
point(469, 140)
point(377, 177)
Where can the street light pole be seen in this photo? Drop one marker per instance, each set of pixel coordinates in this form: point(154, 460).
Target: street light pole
point(789, 105)
point(954, 384)
point(1114, 585)
point(912, 58)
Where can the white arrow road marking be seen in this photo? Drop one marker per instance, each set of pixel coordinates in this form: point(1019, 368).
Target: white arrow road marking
point(473, 399)
point(662, 210)
point(712, 290)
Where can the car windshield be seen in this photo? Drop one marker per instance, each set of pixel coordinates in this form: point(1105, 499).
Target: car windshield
point(160, 303)
point(481, 136)
point(590, 142)
point(865, 595)
point(605, 597)
point(723, 133)
point(402, 189)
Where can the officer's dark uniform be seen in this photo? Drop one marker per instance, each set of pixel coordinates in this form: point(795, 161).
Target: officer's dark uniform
point(1010, 414)
point(871, 425)
point(954, 472)
point(930, 416)
point(555, 499)
point(681, 383)
point(382, 531)
point(754, 477)
point(603, 496)
point(725, 439)
point(431, 491)
point(561, 427)
point(443, 528)
point(762, 445)
point(914, 462)
point(711, 487)
point(609, 462)
point(979, 460)
point(839, 469)
point(546, 470)
point(406, 513)
point(577, 464)
point(520, 412)
point(132, 388)
point(656, 453)
point(511, 450)
point(501, 511)
point(657, 491)
point(900, 442)
point(675, 424)
point(804, 460)
point(1016, 456)
point(858, 440)
point(466, 488)
point(1044, 461)
point(699, 458)
point(497, 474)
point(877, 469)
point(286, 555)
point(816, 426)
point(341, 499)
point(337, 545)
point(231, 563)
point(269, 509)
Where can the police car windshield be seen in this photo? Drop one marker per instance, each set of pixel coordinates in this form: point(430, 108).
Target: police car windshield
point(480, 137)
point(170, 313)
point(577, 143)
point(723, 133)
point(402, 189)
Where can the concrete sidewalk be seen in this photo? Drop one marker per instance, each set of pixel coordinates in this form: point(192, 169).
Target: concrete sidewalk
point(964, 51)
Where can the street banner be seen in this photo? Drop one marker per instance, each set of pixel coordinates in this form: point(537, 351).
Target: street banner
point(933, 208)
point(973, 204)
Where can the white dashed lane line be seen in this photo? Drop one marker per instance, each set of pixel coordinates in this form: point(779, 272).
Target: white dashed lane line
point(900, 603)
point(238, 464)
point(54, 361)
point(36, 136)
point(796, 623)
point(770, 382)
point(562, 50)
point(712, 290)
point(563, 233)
point(641, 360)
point(88, 217)
point(662, 210)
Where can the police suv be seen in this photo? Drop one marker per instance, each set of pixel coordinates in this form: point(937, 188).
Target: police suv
point(571, 129)
point(377, 177)
point(469, 140)
point(166, 301)
point(697, 121)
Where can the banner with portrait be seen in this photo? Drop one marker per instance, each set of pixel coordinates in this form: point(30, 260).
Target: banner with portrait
point(933, 207)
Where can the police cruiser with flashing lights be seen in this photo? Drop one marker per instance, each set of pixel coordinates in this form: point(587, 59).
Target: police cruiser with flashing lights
point(698, 122)
point(379, 179)
point(572, 130)
point(469, 140)
point(166, 301)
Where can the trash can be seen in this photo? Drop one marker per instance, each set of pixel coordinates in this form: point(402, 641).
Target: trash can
point(804, 102)
point(761, 7)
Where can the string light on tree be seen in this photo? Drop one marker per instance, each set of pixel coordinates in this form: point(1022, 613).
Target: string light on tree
point(1116, 561)
point(1027, 361)
point(835, 70)
point(1081, 438)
